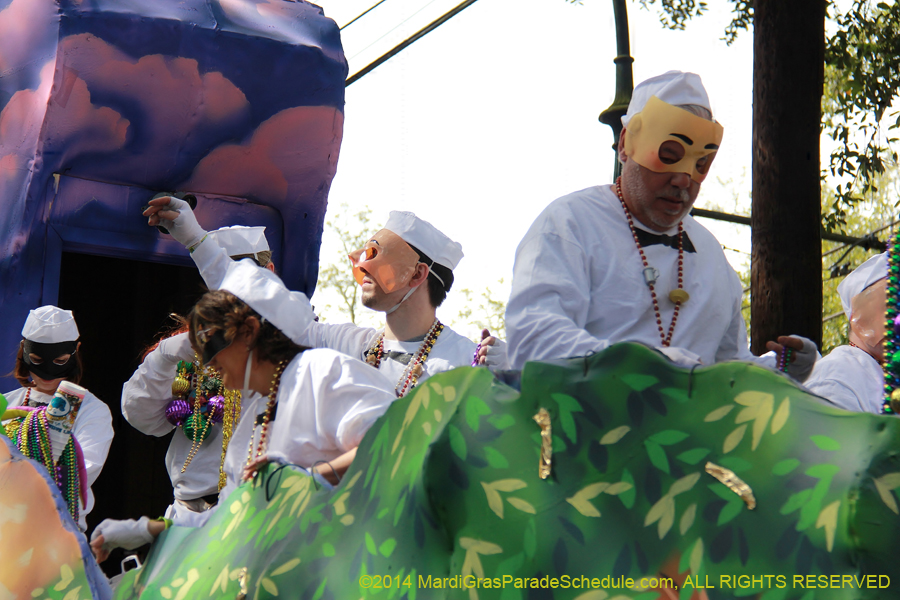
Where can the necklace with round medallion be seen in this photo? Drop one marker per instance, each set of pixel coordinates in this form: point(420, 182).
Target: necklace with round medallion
point(679, 295)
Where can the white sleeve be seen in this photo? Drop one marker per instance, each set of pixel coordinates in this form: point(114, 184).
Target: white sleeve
point(734, 345)
point(349, 396)
point(836, 392)
point(94, 432)
point(146, 394)
point(550, 300)
point(212, 261)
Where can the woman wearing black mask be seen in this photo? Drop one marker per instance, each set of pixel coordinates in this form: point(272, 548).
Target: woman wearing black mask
point(47, 356)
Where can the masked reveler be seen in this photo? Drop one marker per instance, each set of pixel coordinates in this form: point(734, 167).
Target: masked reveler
point(626, 262)
point(301, 406)
point(405, 270)
point(48, 356)
point(852, 376)
point(172, 389)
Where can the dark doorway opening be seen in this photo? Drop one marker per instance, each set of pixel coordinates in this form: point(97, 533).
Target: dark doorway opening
point(121, 306)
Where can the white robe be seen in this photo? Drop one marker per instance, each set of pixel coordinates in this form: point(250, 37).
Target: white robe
point(93, 430)
point(578, 287)
point(326, 403)
point(144, 400)
point(450, 351)
point(850, 378)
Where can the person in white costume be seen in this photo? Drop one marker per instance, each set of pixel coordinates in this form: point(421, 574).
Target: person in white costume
point(852, 376)
point(626, 262)
point(148, 392)
point(310, 405)
point(47, 356)
point(405, 271)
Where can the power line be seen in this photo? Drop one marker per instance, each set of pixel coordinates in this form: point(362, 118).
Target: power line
point(409, 41)
point(393, 29)
point(379, 3)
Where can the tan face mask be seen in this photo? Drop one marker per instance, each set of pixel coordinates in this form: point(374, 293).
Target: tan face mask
point(668, 139)
point(388, 260)
point(867, 319)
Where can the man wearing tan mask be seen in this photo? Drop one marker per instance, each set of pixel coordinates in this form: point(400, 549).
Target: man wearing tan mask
point(851, 376)
point(627, 262)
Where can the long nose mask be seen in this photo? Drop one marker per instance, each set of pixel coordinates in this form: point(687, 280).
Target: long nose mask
point(669, 139)
point(867, 323)
point(387, 259)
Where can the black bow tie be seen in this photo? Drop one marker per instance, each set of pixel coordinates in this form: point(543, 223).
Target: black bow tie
point(648, 239)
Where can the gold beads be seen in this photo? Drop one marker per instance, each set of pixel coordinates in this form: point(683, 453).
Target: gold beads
point(679, 296)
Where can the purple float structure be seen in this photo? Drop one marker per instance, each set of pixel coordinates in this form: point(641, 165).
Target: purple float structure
point(104, 104)
point(108, 102)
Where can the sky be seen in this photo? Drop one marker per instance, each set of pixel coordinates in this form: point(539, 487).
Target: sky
point(479, 125)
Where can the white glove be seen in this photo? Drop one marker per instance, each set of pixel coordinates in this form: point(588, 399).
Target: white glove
point(128, 534)
point(804, 360)
point(681, 357)
point(496, 357)
point(184, 228)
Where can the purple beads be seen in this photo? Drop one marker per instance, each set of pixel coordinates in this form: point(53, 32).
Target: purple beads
point(177, 411)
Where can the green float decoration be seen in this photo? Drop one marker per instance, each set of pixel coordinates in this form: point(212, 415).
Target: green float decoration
point(729, 481)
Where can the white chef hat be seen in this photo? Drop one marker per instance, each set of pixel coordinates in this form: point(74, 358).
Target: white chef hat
point(871, 271)
point(426, 237)
point(50, 325)
point(238, 240)
point(265, 293)
point(673, 87)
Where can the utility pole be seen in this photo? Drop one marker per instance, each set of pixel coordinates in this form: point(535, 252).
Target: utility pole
point(786, 261)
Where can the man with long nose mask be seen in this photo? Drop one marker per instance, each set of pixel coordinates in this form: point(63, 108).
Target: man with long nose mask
point(405, 270)
point(852, 376)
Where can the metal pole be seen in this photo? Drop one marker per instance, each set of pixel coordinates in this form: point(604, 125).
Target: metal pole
point(624, 80)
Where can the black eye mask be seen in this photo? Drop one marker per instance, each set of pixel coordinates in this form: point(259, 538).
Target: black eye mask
point(212, 345)
point(48, 353)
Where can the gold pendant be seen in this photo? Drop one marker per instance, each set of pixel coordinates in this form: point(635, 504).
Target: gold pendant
point(180, 386)
point(679, 296)
point(895, 401)
point(372, 359)
point(417, 370)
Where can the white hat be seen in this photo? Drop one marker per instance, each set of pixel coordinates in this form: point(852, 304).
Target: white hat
point(426, 237)
point(265, 293)
point(238, 240)
point(871, 271)
point(674, 87)
point(50, 325)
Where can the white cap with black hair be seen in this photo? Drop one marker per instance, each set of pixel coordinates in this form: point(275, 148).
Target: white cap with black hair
point(50, 325)
point(238, 240)
point(426, 237)
point(673, 87)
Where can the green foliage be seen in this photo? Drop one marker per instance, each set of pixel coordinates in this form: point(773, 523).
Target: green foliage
point(863, 56)
point(486, 312)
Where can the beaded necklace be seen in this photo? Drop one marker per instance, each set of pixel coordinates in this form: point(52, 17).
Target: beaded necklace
point(891, 404)
point(212, 403)
point(32, 437)
point(410, 376)
point(678, 295)
point(784, 359)
point(267, 416)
